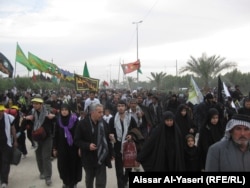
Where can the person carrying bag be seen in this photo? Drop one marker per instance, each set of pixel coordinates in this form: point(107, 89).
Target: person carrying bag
point(8, 141)
point(129, 154)
point(39, 134)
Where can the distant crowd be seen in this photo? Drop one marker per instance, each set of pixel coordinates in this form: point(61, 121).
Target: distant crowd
point(88, 129)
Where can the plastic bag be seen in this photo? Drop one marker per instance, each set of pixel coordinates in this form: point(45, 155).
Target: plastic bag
point(129, 155)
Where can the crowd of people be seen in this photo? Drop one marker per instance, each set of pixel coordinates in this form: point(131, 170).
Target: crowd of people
point(86, 131)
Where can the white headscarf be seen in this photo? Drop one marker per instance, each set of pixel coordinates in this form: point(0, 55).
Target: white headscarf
point(238, 119)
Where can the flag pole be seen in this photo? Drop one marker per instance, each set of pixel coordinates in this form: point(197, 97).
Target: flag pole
point(137, 46)
point(176, 68)
point(119, 71)
point(15, 65)
point(124, 75)
point(15, 70)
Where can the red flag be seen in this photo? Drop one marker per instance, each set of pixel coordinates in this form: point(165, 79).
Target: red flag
point(131, 67)
point(34, 76)
point(105, 83)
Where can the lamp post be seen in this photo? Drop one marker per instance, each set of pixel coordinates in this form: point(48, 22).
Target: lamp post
point(137, 54)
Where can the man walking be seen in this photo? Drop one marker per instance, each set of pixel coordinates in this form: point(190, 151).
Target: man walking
point(7, 130)
point(232, 153)
point(42, 118)
point(91, 136)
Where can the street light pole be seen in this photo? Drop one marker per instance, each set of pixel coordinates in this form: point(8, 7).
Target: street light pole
point(137, 53)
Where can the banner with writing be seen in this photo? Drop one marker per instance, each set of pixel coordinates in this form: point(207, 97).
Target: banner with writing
point(85, 84)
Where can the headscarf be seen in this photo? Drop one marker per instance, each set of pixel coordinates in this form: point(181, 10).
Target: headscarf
point(65, 119)
point(185, 122)
point(121, 136)
point(168, 115)
point(67, 122)
point(237, 119)
point(216, 130)
point(40, 117)
point(155, 154)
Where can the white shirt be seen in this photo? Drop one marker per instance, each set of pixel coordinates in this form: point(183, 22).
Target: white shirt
point(107, 118)
point(88, 102)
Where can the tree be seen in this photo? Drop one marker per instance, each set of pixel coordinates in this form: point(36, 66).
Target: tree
point(158, 78)
point(207, 67)
point(114, 83)
point(130, 80)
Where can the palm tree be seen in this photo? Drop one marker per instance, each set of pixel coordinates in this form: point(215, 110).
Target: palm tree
point(130, 80)
point(207, 67)
point(158, 78)
point(114, 83)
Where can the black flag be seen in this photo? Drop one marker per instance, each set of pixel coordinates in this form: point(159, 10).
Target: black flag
point(5, 66)
point(221, 92)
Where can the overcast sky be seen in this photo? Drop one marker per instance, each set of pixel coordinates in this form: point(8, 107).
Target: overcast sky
point(102, 33)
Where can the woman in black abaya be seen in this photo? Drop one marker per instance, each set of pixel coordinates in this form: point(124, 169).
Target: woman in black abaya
point(68, 161)
point(163, 151)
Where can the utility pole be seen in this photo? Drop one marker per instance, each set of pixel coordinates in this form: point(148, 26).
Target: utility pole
point(137, 47)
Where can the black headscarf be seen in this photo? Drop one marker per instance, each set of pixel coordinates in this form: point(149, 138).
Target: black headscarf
point(185, 123)
point(65, 119)
point(216, 130)
point(163, 151)
point(168, 115)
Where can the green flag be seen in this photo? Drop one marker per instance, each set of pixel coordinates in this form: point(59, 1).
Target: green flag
point(52, 68)
point(139, 71)
point(38, 63)
point(21, 58)
point(86, 71)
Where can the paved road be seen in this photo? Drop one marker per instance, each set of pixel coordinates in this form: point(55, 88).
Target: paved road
point(26, 174)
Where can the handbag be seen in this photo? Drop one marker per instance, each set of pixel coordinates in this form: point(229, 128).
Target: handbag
point(39, 134)
point(129, 155)
point(16, 156)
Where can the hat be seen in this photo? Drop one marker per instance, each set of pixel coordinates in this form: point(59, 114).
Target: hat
point(237, 119)
point(15, 107)
point(38, 99)
point(2, 107)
